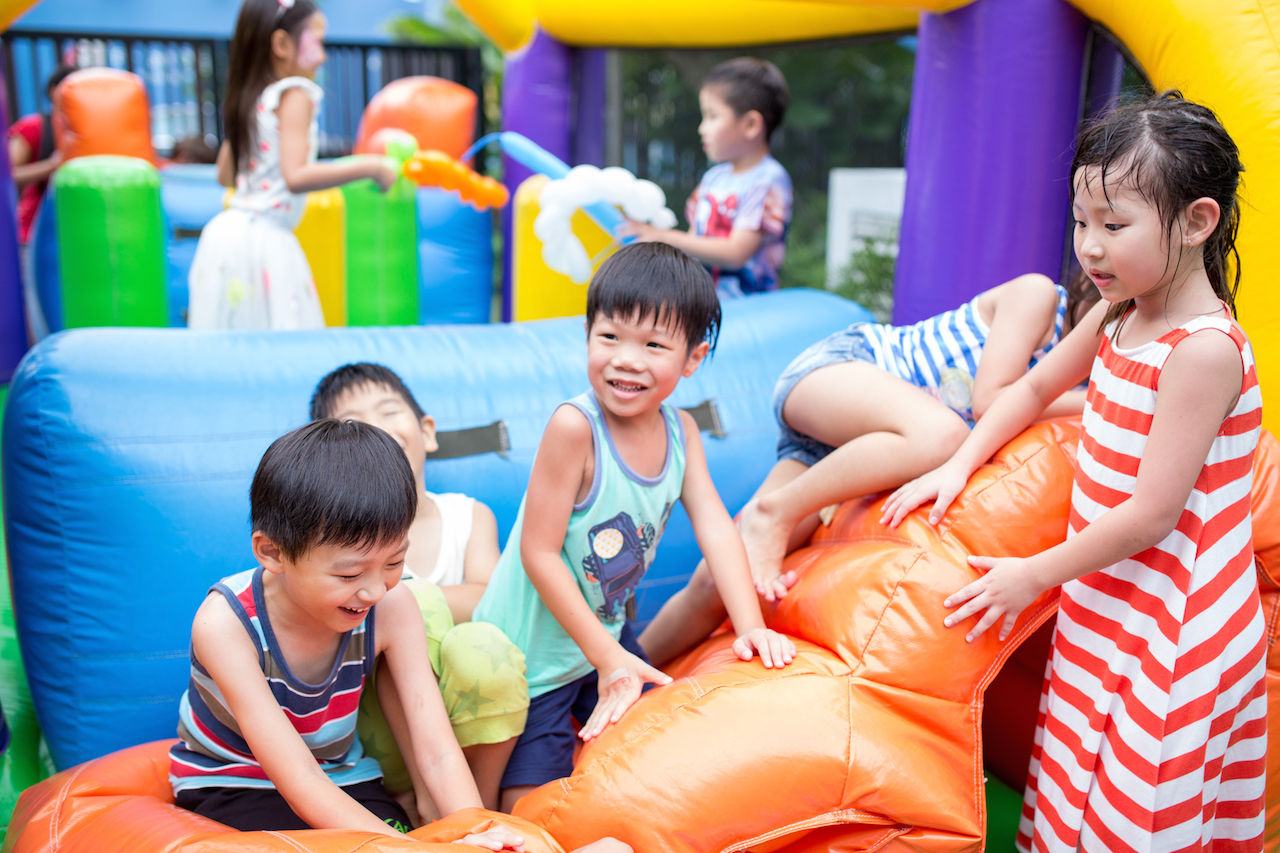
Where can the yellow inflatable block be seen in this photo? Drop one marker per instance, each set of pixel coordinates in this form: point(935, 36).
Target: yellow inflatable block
point(11, 10)
point(323, 235)
point(1224, 54)
point(536, 291)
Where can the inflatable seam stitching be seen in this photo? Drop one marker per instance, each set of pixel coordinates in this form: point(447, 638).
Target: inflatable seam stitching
point(289, 841)
point(1272, 619)
point(55, 818)
point(875, 629)
point(832, 818)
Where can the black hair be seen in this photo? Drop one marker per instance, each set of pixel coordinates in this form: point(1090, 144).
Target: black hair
point(1082, 295)
point(249, 70)
point(1171, 151)
point(324, 401)
point(343, 483)
point(59, 74)
point(747, 84)
point(655, 280)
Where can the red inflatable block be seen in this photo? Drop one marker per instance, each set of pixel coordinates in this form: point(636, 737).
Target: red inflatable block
point(104, 111)
point(439, 113)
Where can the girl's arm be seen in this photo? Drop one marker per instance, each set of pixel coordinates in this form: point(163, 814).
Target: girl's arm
point(1199, 386)
point(25, 171)
point(729, 252)
point(294, 115)
point(477, 567)
point(1012, 412)
point(726, 556)
point(219, 641)
point(553, 488)
point(1025, 309)
point(226, 168)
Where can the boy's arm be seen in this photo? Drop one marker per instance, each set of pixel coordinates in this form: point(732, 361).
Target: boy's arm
point(730, 252)
point(553, 488)
point(220, 642)
point(726, 557)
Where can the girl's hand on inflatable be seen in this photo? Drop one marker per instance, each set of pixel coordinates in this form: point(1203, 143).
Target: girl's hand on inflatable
point(941, 485)
point(775, 650)
point(1007, 589)
point(494, 838)
point(386, 173)
point(619, 687)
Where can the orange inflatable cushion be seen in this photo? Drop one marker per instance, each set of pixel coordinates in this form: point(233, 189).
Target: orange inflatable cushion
point(439, 113)
point(872, 737)
point(103, 111)
point(122, 802)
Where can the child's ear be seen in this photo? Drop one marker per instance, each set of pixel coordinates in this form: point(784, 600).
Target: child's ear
point(696, 355)
point(753, 125)
point(282, 46)
point(268, 552)
point(428, 425)
point(1199, 221)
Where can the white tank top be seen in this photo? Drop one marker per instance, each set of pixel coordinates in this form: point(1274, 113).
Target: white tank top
point(456, 514)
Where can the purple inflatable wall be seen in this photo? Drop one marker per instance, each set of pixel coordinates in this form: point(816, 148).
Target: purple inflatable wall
point(994, 106)
point(13, 326)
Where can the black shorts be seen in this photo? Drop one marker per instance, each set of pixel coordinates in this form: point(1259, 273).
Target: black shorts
point(545, 750)
point(250, 809)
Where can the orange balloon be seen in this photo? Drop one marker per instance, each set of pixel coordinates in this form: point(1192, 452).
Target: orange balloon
point(103, 111)
point(439, 113)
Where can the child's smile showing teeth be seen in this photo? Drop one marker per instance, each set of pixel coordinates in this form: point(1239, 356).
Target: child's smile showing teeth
point(626, 389)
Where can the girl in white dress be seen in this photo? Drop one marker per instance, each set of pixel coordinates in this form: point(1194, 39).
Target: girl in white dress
point(249, 271)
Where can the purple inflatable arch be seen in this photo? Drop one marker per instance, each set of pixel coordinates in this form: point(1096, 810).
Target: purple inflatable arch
point(13, 325)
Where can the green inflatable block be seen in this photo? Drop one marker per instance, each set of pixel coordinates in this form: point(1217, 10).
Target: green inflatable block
point(382, 254)
point(111, 243)
point(1004, 811)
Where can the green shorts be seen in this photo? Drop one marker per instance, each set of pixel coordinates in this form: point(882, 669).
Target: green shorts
point(481, 675)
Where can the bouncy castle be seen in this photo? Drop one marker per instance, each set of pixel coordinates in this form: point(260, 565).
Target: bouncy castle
point(127, 455)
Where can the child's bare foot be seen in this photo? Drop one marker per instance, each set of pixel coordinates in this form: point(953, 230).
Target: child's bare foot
point(766, 537)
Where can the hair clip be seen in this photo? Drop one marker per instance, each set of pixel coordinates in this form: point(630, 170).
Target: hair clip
point(286, 4)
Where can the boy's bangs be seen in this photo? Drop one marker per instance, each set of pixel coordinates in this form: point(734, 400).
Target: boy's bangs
point(654, 280)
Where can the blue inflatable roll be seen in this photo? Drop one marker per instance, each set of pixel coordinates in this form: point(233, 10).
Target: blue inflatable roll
point(121, 516)
point(190, 196)
point(45, 261)
point(455, 257)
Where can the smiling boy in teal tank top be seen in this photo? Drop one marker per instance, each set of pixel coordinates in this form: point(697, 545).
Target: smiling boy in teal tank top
point(611, 465)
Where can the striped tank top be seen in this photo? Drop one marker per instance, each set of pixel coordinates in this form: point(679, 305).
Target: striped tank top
point(212, 752)
point(941, 354)
point(1152, 731)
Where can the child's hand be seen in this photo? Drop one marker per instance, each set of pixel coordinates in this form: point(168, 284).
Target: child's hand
point(642, 231)
point(619, 687)
point(775, 650)
point(494, 838)
point(942, 485)
point(1006, 590)
point(386, 173)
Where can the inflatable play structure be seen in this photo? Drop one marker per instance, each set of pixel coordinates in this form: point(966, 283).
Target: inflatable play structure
point(104, 500)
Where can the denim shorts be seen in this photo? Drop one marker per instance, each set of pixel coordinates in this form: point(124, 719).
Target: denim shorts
point(844, 346)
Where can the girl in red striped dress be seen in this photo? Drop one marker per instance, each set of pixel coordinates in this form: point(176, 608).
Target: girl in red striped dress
point(1152, 728)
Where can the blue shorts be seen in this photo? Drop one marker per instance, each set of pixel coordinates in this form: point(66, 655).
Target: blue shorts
point(544, 751)
point(844, 346)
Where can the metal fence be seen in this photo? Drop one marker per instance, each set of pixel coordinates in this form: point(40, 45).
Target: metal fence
point(186, 78)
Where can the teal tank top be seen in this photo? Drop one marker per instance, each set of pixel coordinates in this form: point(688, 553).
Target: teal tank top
point(610, 542)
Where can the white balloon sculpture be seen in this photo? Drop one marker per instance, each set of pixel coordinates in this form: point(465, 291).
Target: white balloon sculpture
point(584, 186)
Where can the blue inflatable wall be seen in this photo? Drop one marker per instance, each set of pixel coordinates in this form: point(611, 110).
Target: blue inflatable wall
point(455, 259)
point(47, 266)
point(128, 455)
point(190, 196)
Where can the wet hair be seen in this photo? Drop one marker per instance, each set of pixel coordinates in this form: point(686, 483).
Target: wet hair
point(747, 84)
point(59, 74)
point(1082, 295)
point(1171, 151)
point(331, 482)
point(654, 280)
point(324, 401)
point(249, 70)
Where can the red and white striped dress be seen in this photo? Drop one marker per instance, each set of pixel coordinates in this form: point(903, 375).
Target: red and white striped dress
point(1152, 732)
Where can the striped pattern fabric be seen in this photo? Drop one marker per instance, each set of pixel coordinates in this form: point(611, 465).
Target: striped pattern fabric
point(1152, 726)
point(212, 751)
point(941, 354)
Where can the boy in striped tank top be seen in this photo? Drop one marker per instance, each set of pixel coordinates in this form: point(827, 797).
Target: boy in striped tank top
point(612, 463)
point(280, 653)
point(1152, 732)
point(867, 409)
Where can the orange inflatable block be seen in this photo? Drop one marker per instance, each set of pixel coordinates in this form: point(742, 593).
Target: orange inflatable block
point(122, 803)
point(103, 111)
point(439, 113)
point(437, 169)
point(872, 738)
